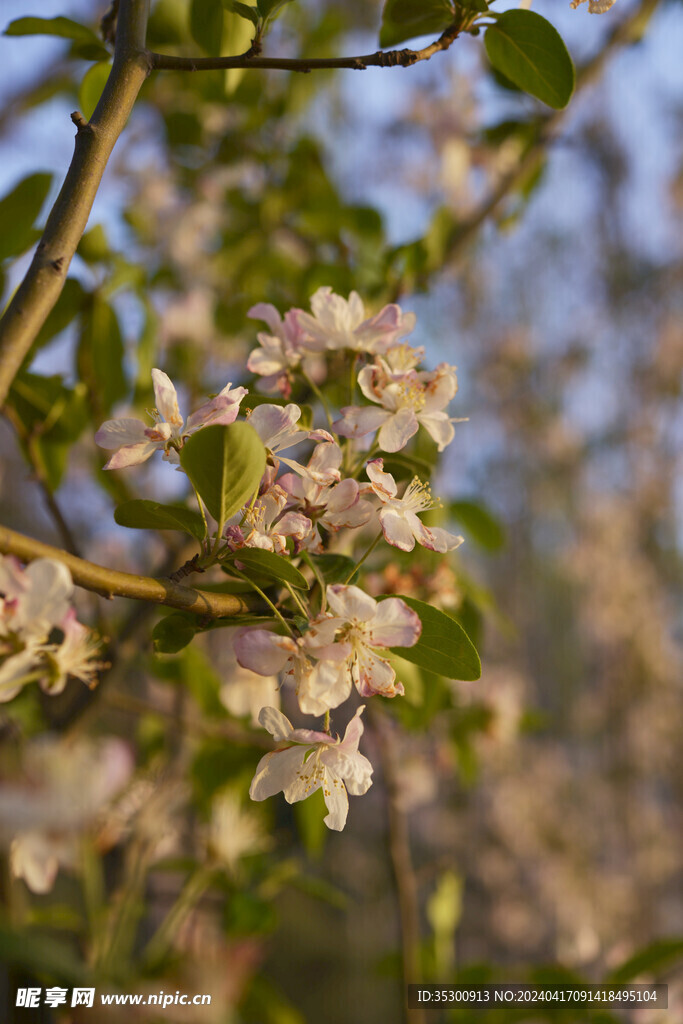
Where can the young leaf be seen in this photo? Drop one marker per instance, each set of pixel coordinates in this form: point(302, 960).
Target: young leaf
point(404, 19)
point(225, 464)
point(91, 88)
point(18, 211)
point(172, 633)
point(529, 51)
point(334, 568)
point(275, 567)
point(271, 8)
point(444, 647)
point(65, 28)
point(99, 356)
point(243, 10)
point(206, 25)
point(150, 515)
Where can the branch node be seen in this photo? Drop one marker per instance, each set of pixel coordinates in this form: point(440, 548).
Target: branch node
point(81, 124)
point(58, 264)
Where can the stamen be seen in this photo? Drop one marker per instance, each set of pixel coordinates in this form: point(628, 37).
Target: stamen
point(419, 496)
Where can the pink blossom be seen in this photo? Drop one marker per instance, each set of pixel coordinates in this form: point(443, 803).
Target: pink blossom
point(363, 625)
point(333, 507)
point(407, 399)
point(338, 323)
point(34, 601)
point(266, 526)
point(133, 442)
point(398, 516)
point(281, 351)
point(306, 761)
point(268, 654)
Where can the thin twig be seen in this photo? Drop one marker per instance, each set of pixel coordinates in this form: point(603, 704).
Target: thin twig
point(380, 59)
point(112, 583)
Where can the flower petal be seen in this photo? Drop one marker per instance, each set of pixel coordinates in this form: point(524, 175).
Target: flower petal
point(262, 651)
point(396, 530)
point(351, 603)
point(132, 455)
point(277, 724)
point(123, 431)
point(383, 484)
point(398, 430)
point(327, 686)
point(395, 624)
point(439, 427)
point(166, 398)
point(356, 420)
point(276, 771)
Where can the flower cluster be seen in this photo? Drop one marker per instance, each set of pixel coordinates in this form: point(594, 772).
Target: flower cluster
point(40, 638)
point(336, 497)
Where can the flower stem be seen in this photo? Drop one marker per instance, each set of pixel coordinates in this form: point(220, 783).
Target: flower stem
point(363, 557)
point(265, 597)
point(319, 395)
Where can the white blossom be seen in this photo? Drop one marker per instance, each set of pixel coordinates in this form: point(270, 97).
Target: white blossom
point(306, 761)
point(404, 401)
point(399, 516)
point(338, 323)
point(133, 442)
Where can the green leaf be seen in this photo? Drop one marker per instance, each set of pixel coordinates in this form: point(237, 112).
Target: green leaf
point(99, 356)
point(172, 633)
point(91, 88)
point(94, 245)
point(243, 10)
point(444, 647)
point(404, 19)
point(150, 515)
point(271, 8)
point(206, 25)
point(68, 306)
point(18, 212)
point(65, 28)
point(275, 567)
point(225, 464)
point(481, 525)
point(334, 568)
point(53, 417)
point(529, 51)
point(654, 958)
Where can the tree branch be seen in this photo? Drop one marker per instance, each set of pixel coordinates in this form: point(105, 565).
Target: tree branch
point(95, 141)
point(112, 583)
point(379, 59)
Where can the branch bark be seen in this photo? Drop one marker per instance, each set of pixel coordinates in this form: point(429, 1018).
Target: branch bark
point(112, 583)
point(380, 59)
point(95, 141)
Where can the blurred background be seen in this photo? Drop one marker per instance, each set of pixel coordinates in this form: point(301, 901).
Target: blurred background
point(541, 804)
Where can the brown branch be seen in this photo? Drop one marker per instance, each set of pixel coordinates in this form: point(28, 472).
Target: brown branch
point(405, 881)
point(112, 583)
point(380, 59)
point(95, 140)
